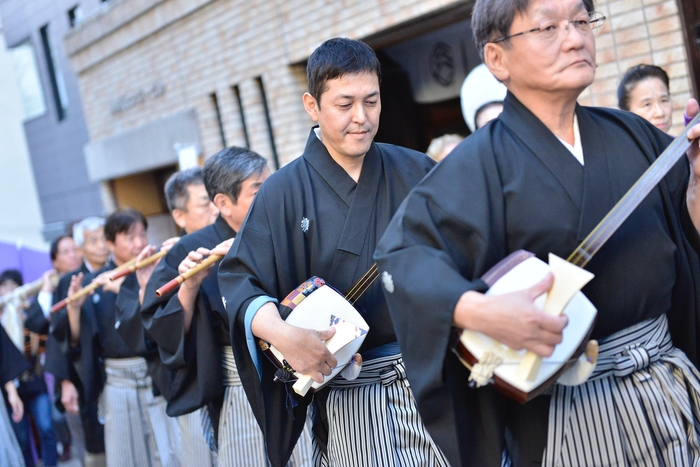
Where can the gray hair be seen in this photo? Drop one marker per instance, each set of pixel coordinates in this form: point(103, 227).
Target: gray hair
point(225, 171)
point(89, 223)
point(492, 19)
point(176, 188)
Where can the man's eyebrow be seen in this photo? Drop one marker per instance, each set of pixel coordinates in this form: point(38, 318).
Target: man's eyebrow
point(347, 96)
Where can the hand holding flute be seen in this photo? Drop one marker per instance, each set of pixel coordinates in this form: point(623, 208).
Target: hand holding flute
point(77, 296)
point(147, 262)
point(88, 289)
point(193, 269)
point(73, 306)
point(190, 267)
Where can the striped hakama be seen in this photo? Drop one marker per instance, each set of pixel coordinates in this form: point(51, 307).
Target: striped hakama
point(240, 441)
point(194, 447)
point(640, 407)
point(138, 433)
point(10, 452)
point(373, 420)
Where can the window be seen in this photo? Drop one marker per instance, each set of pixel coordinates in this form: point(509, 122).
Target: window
point(237, 93)
point(270, 133)
point(58, 87)
point(215, 102)
point(24, 61)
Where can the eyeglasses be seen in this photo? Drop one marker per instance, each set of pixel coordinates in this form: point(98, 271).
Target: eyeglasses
point(549, 28)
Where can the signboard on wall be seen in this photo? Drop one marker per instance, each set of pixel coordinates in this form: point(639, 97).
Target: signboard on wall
point(437, 62)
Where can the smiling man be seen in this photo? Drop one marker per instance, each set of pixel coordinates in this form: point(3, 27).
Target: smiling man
point(322, 215)
point(540, 178)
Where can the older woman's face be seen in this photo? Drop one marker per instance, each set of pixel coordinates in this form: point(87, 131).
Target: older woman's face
point(650, 99)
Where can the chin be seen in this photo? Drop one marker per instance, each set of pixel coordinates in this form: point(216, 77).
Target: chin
point(359, 150)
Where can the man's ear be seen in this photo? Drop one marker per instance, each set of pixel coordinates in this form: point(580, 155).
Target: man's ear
point(111, 246)
point(223, 204)
point(311, 106)
point(179, 217)
point(496, 61)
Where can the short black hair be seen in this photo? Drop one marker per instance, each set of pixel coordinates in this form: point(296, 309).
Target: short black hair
point(225, 171)
point(53, 252)
point(492, 19)
point(176, 188)
point(11, 275)
point(633, 76)
point(121, 221)
point(338, 57)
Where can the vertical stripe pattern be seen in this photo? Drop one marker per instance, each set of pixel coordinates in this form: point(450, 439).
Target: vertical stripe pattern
point(137, 431)
point(10, 452)
point(240, 441)
point(640, 407)
point(374, 421)
point(194, 447)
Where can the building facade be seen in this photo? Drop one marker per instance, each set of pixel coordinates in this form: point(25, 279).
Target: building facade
point(54, 124)
point(20, 214)
point(166, 80)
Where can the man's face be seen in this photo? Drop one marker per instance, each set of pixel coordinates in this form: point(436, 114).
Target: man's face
point(347, 114)
point(199, 211)
point(67, 256)
point(128, 245)
point(562, 65)
point(249, 188)
point(95, 249)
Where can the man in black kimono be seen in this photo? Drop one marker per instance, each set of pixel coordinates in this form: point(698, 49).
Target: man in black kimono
point(322, 215)
point(540, 178)
point(192, 210)
point(190, 325)
point(137, 430)
point(65, 258)
point(89, 239)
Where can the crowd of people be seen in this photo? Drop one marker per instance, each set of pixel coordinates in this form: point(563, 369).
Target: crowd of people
point(147, 375)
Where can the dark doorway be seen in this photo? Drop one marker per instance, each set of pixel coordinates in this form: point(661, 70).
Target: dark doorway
point(407, 123)
point(422, 73)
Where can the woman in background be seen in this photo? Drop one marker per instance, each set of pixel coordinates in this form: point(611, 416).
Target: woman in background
point(644, 91)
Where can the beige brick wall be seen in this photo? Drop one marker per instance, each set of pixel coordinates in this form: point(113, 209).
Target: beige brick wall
point(200, 47)
point(640, 31)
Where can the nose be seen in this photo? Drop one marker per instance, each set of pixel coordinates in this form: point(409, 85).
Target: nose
point(658, 109)
point(572, 33)
point(358, 113)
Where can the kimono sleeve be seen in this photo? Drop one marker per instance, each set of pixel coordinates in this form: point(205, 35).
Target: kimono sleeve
point(446, 233)
point(162, 316)
point(36, 321)
point(12, 360)
point(128, 317)
point(250, 271)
